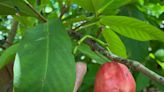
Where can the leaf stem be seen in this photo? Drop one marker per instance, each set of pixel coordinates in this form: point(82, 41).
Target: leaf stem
point(94, 39)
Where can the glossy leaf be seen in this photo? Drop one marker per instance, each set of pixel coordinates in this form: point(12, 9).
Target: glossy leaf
point(133, 28)
point(8, 55)
point(114, 42)
point(45, 60)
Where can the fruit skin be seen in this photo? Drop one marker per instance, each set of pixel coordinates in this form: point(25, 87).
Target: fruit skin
point(114, 77)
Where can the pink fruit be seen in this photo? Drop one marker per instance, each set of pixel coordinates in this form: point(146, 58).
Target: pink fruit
point(114, 77)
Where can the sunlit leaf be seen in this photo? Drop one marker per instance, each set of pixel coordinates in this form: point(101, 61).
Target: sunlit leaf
point(114, 42)
point(133, 28)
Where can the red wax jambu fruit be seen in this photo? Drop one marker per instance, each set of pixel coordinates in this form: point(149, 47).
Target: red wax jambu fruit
point(114, 77)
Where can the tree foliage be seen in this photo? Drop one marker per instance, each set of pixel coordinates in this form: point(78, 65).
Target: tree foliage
point(42, 52)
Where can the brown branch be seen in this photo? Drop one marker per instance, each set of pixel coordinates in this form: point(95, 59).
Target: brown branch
point(11, 35)
point(138, 66)
point(131, 63)
point(63, 10)
point(8, 43)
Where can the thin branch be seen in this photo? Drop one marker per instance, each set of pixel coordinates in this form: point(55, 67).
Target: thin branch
point(131, 63)
point(8, 43)
point(138, 66)
point(63, 11)
point(39, 16)
point(11, 35)
point(64, 8)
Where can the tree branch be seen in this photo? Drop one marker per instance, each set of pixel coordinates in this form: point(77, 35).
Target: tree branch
point(39, 16)
point(12, 34)
point(63, 10)
point(8, 43)
point(130, 63)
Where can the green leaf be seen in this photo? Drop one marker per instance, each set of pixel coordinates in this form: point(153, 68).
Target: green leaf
point(101, 6)
point(133, 28)
point(26, 22)
point(11, 7)
point(153, 9)
point(88, 81)
point(115, 44)
point(134, 49)
point(115, 5)
point(160, 63)
point(8, 55)
point(100, 59)
point(46, 60)
point(74, 19)
point(141, 82)
point(93, 5)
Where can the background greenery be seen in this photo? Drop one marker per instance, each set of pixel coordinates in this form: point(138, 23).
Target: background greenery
point(45, 61)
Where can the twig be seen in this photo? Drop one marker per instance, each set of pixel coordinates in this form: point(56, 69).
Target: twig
point(11, 35)
point(39, 16)
point(138, 66)
point(63, 10)
point(131, 63)
point(99, 32)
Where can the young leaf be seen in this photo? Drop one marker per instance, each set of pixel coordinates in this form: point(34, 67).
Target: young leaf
point(133, 28)
point(46, 60)
point(115, 44)
point(8, 55)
